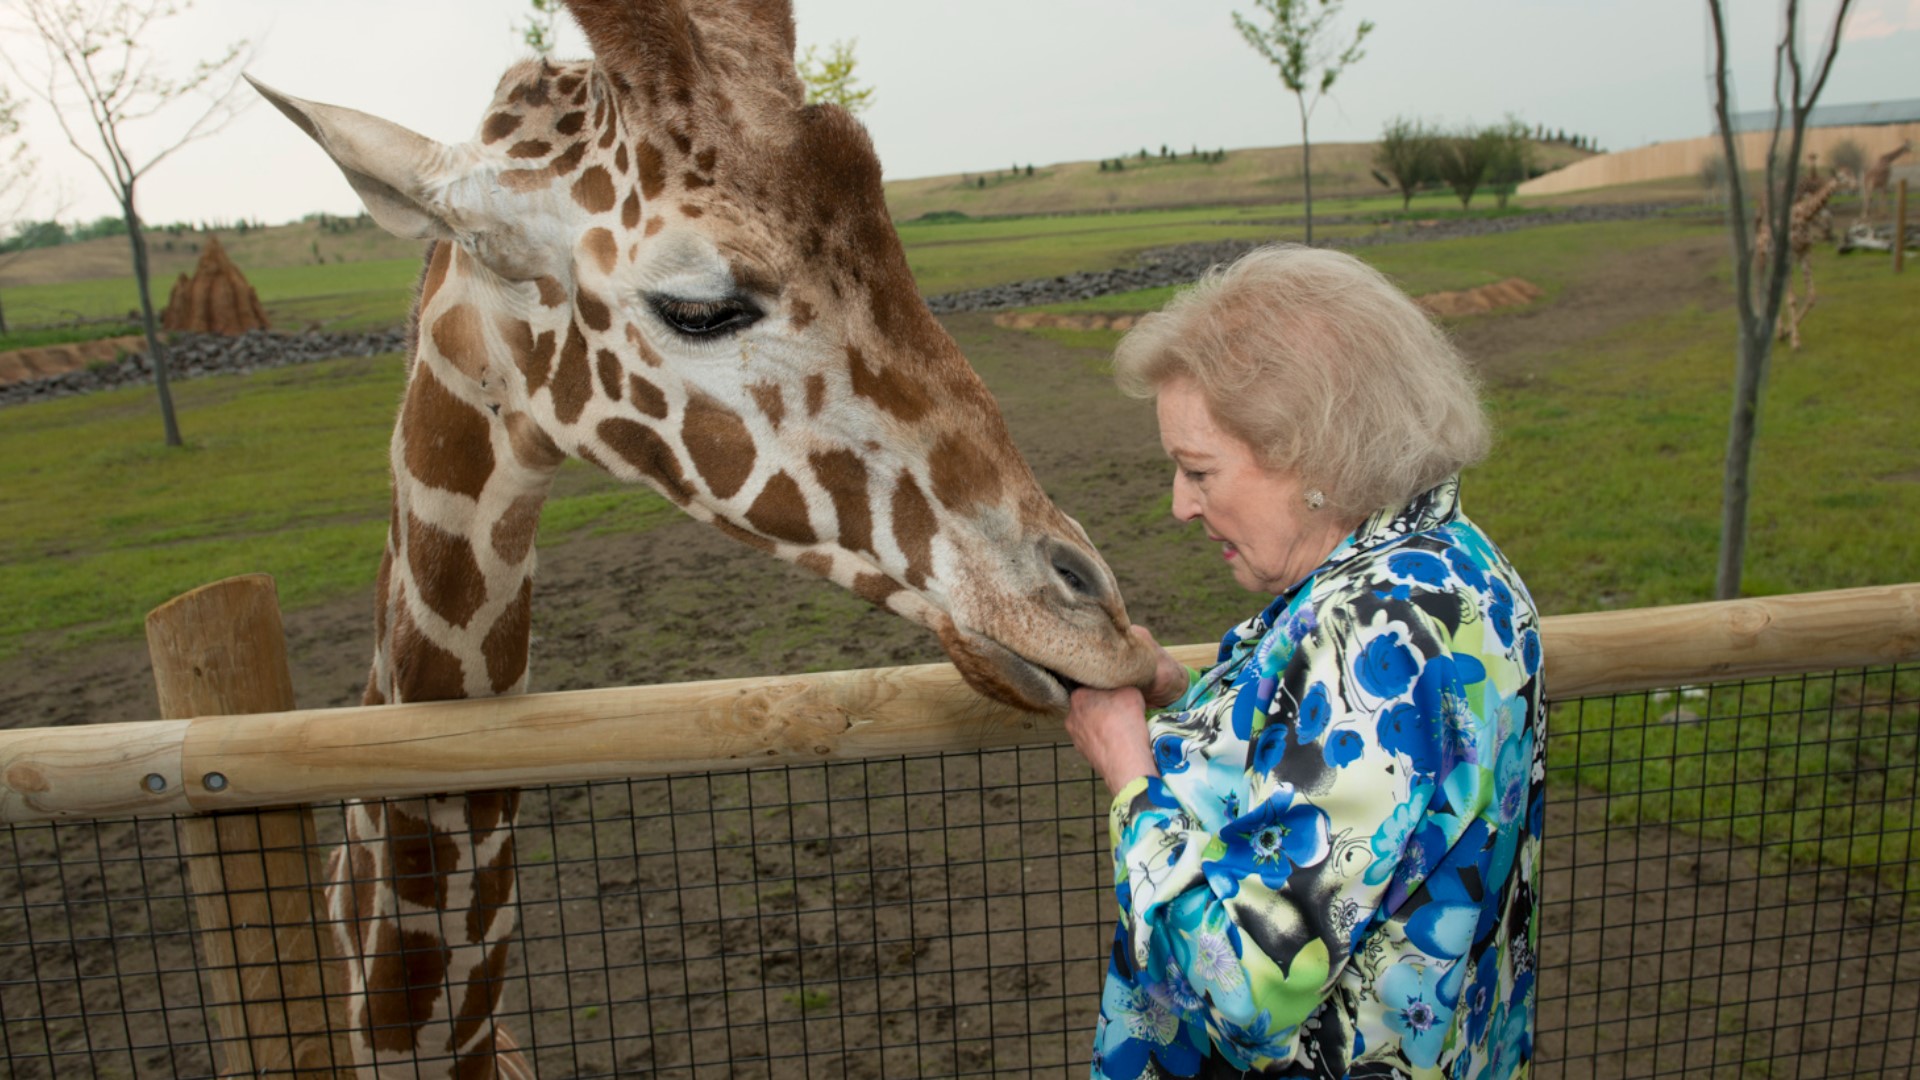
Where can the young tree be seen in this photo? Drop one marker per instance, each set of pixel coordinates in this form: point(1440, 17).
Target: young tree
point(1760, 284)
point(542, 28)
point(101, 66)
point(830, 79)
point(1465, 158)
point(1512, 159)
point(1405, 155)
point(1299, 40)
point(16, 185)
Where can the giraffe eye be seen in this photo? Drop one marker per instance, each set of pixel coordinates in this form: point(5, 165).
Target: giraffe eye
point(705, 318)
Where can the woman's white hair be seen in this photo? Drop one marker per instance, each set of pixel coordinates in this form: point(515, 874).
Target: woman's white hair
point(1323, 367)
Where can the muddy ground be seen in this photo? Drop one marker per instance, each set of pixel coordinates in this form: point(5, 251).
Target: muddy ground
point(937, 916)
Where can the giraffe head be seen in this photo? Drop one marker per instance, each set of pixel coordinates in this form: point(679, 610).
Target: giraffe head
point(664, 262)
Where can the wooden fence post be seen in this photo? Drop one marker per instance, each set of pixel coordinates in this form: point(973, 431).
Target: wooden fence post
point(256, 876)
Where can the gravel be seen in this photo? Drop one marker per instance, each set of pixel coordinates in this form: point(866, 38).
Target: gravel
point(193, 355)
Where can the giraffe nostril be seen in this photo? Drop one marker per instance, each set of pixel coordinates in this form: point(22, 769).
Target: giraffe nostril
point(1073, 569)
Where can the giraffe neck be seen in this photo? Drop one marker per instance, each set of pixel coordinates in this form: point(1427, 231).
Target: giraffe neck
point(470, 474)
point(423, 892)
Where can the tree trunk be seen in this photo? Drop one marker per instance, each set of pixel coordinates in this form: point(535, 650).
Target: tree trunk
point(1306, 165)
point(3, 318)
point(1756, 345)
point(155, 351)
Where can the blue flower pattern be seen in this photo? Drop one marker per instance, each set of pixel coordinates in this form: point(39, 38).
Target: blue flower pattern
point(1335, 871)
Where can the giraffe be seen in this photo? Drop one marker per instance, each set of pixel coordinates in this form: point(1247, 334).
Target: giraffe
point(1876, 177)
point(1803, 218)
point(663, 262)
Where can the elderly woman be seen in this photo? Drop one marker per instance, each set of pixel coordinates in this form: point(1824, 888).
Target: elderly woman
point(1326, 847)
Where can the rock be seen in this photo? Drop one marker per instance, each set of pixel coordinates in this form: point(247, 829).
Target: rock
point(216, 300)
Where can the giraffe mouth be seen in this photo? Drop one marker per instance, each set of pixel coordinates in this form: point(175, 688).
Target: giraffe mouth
point(1004, 675)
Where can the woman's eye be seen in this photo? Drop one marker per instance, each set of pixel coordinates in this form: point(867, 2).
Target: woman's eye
point(702, 318)
point(1195, 475)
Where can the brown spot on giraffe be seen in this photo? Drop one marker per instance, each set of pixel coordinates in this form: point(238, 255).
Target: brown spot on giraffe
point(800, 313)
point(718, 442)
point(517, 336)
point(531, 446)
point(565, 85)
point(653, 169)
point(886, 387)
point(438, 260)
point(621, 161)
point(593, 310)
point(601, 247)
point(477, 1002)
point(704, 159)
point(816, 393)
point(569, 159)
point(530, 148)
point(571, 123)
point(513, 534)
point(780, 511)
point(644, 449)
point(630, 210)
point(607, 137)
point(505, 647)
point(682, 141)
point(693, 181)
point(813, 562)
point(447, 443)
point(422, 858)
point(594, 190)
point(457, 334)
point(609, 368)
point(552, 293)
point(963, 474)
point(913, 529)
point(499, 126)
point(445, 571)
point(766, 398)
point(875, 589)
point(572, 380)
point(487, 809)
point(408, 968)
point(844, 476)
point(655, 224)
point(689, 210)
point(647, 397)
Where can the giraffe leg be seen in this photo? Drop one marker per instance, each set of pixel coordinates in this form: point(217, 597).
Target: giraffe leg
point(1807, 270)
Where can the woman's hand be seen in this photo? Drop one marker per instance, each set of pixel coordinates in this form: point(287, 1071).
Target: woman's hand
point(1109, 728)
point(1169, 676)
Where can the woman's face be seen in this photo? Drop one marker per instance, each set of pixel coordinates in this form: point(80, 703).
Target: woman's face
point(1259, 516)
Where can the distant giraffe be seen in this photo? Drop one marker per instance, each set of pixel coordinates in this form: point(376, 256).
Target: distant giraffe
point(664, 262)
point(1876, 178)
point(1802, 221)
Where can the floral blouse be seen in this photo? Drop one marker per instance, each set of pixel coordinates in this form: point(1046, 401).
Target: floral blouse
point(1336, 871)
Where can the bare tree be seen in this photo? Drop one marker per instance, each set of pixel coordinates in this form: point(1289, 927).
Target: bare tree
point(1404, 155)
point(100, 66)
point(1298, 41)
point(1758, 301)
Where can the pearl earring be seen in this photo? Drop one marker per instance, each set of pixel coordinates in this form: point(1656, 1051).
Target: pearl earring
point(1315, 498)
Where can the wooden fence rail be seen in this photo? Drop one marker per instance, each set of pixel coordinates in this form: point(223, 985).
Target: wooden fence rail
point(284, 758)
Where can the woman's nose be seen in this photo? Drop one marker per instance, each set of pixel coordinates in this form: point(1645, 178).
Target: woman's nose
point(1185, 506)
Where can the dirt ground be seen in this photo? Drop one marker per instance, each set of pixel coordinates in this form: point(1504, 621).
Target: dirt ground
point(948, 916)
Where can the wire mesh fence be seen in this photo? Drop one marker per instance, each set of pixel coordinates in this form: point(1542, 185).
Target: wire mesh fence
point(1728, 893)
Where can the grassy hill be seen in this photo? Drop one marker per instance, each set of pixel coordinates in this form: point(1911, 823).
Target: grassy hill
point(1259, 175)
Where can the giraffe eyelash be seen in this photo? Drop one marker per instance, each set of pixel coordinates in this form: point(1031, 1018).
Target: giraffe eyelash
point(705, 318)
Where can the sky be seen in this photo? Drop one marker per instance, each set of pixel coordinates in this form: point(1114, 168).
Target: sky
point(990, 83)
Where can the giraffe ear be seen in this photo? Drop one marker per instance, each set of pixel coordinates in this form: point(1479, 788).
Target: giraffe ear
point(385, 163)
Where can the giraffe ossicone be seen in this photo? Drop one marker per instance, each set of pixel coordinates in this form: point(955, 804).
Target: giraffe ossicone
point(664, 262)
